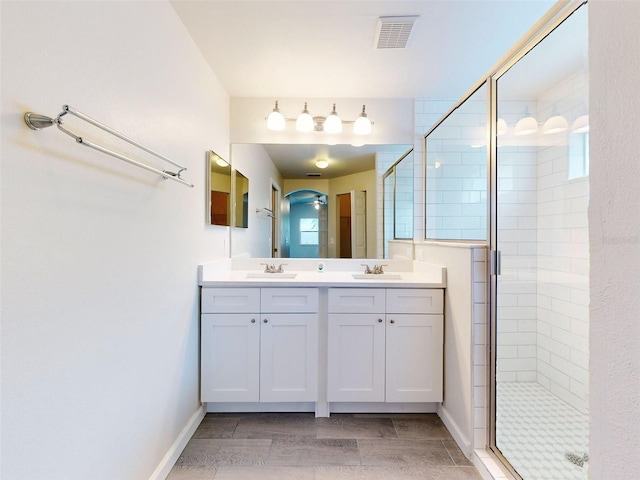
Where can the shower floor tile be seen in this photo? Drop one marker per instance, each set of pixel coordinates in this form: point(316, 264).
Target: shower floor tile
point(535, 430)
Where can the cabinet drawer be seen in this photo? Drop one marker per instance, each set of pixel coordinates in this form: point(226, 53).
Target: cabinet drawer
point(414, 300)
point(288, 300)
point(230, 300)
point(356, 300)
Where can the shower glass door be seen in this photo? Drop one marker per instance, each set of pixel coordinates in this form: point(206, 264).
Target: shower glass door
point(541, 302)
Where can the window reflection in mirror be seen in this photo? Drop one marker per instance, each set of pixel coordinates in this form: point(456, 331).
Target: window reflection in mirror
point(218, 191)
point(241, 200)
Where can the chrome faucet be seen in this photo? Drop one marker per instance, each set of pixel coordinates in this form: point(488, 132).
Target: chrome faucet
point(271, 268)
point(375, 270)
point(378, 269)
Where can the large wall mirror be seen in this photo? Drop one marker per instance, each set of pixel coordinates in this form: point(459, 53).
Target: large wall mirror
point(241, 200)
point(398, 201)
point(218, 190)
point(334, 181)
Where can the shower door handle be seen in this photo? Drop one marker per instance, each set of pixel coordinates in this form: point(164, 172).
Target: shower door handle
point(494, 263)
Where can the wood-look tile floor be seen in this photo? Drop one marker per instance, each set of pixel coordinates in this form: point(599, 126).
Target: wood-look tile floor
point(298, 446)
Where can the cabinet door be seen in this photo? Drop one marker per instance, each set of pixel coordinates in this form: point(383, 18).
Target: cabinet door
point(230, 355)
point(289, 357)
point(356, 358)
point(414, 358)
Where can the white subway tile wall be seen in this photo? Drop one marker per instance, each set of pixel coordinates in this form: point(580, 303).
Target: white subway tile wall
point(456, 173)
point(480, 386)
point(427, 113)
point(404, 198)
point(563, 275)
point(543, 236)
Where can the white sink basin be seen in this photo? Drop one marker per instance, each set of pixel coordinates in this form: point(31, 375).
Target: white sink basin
point(377, 276)
point(270, 275)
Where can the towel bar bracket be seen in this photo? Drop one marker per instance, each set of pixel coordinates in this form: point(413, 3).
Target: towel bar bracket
point(36, 121)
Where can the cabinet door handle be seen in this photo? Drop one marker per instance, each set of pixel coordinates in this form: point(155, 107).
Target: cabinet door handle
point(392, 321)
point(265, 320)
point(379, 320)
point(253, 320)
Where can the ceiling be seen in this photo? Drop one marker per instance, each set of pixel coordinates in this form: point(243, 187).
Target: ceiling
point(296, 161)
point(325, 49)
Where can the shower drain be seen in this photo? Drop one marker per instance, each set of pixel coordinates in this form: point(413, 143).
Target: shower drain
point(577, 458)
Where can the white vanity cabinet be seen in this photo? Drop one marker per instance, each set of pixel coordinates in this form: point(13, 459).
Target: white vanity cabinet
point(385, 345)
point(259, 345)
point(356, 345)
point(289, 345)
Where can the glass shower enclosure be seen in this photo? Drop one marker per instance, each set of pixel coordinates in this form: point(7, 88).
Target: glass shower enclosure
point(541, 234)
point(509, 166)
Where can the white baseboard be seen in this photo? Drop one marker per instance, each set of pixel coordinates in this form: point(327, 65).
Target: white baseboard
point(461, 439)
point(279, 407)
point(373, 407)
point(170, 458)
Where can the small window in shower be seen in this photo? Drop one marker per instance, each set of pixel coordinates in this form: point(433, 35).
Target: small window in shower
point(578, 155)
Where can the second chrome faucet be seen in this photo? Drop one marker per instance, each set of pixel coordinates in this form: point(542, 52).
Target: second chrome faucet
point(375, 270)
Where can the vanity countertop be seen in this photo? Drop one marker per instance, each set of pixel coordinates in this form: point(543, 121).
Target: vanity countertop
point(336, 273)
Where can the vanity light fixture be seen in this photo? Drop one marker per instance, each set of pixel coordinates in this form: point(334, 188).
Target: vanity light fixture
point(555, 124)
point(362, 126)
point(526, 125)
point(581, 124)
point(332, 124)
point(275, 120)
point(304, 122)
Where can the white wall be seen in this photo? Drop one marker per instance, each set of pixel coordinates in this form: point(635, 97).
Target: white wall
point(99, 258)
point(614, 239)
point(464, 367)
point(254, 163)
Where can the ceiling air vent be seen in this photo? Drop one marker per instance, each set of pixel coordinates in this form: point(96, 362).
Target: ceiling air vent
point(395, 32)
point(314, 174)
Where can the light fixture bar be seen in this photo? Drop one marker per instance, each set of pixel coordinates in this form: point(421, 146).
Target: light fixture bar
point(331, 124)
